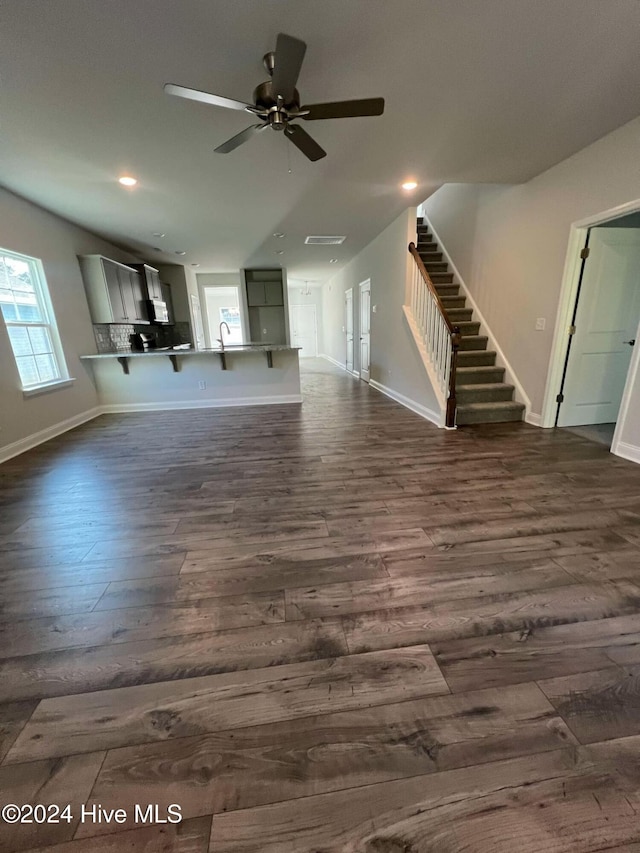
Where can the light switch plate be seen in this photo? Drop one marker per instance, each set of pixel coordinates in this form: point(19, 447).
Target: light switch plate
point(540, 324)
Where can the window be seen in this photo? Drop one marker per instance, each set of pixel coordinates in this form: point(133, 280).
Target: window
point(231, 316)
point(28, 316)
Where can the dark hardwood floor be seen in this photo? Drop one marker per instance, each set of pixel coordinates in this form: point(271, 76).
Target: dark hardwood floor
point(327, 629)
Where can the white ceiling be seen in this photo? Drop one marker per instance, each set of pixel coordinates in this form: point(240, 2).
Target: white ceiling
point(476, 90)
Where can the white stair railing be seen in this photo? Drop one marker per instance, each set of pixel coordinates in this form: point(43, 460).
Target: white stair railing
point(440, 337)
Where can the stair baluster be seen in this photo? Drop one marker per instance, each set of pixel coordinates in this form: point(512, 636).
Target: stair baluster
point(440, 336)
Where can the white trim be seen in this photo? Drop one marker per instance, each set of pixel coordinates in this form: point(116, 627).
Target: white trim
point(568, 291)
point(407, 402)
point(501, 359)
point(533, 419)
point(31, 441)
point(627, 451)
point(363, 287)
point(114, 408)
point(340, 365)
point(49, 386)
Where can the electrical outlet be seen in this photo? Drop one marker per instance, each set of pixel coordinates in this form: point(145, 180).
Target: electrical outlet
point(202, 385)
point(540, 324)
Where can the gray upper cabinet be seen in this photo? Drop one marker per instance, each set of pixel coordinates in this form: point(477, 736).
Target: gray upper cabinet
point(150, 280)
point(115, 292)
point(261, 293)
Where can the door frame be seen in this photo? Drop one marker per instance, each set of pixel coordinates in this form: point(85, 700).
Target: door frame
point(293, 305)
point(568, 294)
point(353, 371)
point(363, 284)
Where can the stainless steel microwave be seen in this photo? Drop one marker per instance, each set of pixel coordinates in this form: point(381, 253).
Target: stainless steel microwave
point(158, 311)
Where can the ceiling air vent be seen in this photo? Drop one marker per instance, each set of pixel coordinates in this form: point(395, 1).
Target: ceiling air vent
point(324, 241)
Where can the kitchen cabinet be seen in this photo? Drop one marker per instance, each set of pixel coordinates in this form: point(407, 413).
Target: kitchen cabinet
point(261, 293)
point(115, 292)
point(266, 305)
point(151, 280)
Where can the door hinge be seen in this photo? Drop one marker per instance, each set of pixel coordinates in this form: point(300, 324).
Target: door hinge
point(560, 398)
point(572, 330)
point(584, 254)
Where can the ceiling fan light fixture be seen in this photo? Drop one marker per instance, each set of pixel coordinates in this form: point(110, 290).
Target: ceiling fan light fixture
point(409, 185)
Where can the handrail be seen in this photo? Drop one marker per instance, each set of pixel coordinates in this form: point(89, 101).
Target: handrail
point(433, 329)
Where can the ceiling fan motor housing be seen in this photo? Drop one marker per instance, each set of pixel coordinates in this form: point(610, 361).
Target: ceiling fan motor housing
point(264, 98)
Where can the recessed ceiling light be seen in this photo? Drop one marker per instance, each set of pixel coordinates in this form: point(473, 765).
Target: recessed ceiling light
point(127, 181)
point(333, 260)
point(158, 234)
point(279, 234)
point(180, 253)
point(409, 185)
point(280, 252)
point(195, 265)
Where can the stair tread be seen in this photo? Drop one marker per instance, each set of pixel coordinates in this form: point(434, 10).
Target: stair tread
point(487, 386)
point(474, 368)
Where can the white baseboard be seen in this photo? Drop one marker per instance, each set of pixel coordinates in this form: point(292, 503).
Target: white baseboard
point(408, 403)
point(533, 419)
point(177, 405)
point(334, 361)
point(627, 451)
point(31, 441)
point(340, 365)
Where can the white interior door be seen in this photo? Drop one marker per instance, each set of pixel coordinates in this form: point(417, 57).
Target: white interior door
point(348, 325)
point(606, 322)
point(304, 330)
point(365, 329)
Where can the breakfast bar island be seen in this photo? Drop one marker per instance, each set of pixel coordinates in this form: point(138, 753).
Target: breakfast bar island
point(179, 378)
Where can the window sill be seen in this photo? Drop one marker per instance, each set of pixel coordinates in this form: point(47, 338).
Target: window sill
point(50, 386)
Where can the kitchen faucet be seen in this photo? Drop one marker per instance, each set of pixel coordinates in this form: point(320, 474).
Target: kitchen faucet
point(220, 339)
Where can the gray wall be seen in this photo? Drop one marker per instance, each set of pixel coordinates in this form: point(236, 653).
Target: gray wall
point(27, 228)
point(395, 361)
point(510, 245)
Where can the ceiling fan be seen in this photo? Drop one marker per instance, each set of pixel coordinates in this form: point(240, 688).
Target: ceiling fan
point(277, 102)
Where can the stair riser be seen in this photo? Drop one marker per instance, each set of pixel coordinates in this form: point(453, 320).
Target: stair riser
point(476, 359)
point(473, 342)
point(429, 249)
point(436, 266)
point(459, 315)
point(481, 394)
point(467, 328)
point(489, 376)
point(447, 289)
point(507, 416)
point(441, 277)
point(453, 301)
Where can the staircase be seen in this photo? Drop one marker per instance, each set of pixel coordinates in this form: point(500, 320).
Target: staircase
point(482, 395)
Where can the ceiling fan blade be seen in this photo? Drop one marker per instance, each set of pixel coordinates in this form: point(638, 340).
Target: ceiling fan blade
point(304, 142)
point(288, 62)
point(240, 138)
point(207, 98)
point(344, 109)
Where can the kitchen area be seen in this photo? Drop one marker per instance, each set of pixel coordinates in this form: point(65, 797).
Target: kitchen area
point(151, 349)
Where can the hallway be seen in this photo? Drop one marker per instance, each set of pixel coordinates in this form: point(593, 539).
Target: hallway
point(327, 628)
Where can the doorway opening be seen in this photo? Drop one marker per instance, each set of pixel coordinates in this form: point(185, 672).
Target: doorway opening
point(594, 363)
point(304, 329)
point(365, 329)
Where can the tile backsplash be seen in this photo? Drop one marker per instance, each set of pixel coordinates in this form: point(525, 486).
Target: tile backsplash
point(116, 337)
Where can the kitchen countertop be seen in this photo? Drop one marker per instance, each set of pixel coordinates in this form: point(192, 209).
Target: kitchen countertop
point(229, 350)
